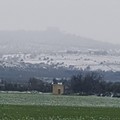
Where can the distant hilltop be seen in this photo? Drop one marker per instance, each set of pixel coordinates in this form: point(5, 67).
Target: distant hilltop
point(51, 39)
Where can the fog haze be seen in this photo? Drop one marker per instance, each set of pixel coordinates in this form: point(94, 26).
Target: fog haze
point(50, 40)
point(96, 19)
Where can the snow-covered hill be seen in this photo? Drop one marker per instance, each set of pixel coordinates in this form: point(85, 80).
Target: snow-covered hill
point(89, 59)
point(52, 53)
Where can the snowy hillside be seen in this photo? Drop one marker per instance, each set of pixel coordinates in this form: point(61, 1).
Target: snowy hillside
point(91, 59)
point(52, 53)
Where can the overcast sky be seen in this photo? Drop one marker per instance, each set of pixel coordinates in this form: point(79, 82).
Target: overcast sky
point(97, 19)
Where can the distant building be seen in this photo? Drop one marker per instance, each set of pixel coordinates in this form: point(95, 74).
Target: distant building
point(58, 89)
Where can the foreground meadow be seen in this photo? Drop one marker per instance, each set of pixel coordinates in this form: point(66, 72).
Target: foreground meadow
point(25, 112)
point(24, 106)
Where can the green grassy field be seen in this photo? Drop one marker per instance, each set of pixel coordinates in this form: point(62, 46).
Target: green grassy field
point(17, 106)
point(25, 112)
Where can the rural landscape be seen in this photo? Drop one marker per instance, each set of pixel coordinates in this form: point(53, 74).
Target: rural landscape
point(72, 84)
point(59, 60)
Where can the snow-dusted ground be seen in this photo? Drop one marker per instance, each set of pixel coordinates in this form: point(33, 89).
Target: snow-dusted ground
point(79, 60)
point(16, 98)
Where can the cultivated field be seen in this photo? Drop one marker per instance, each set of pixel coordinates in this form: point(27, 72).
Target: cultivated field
point(10, 112)
point(27, 106)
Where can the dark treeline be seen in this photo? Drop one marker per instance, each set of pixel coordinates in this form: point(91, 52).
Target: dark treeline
point(92, 83)
point(33, 84)
point(86, 83)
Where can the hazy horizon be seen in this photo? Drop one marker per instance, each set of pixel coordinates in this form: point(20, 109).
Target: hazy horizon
point(56, 30)
point(98, 20)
